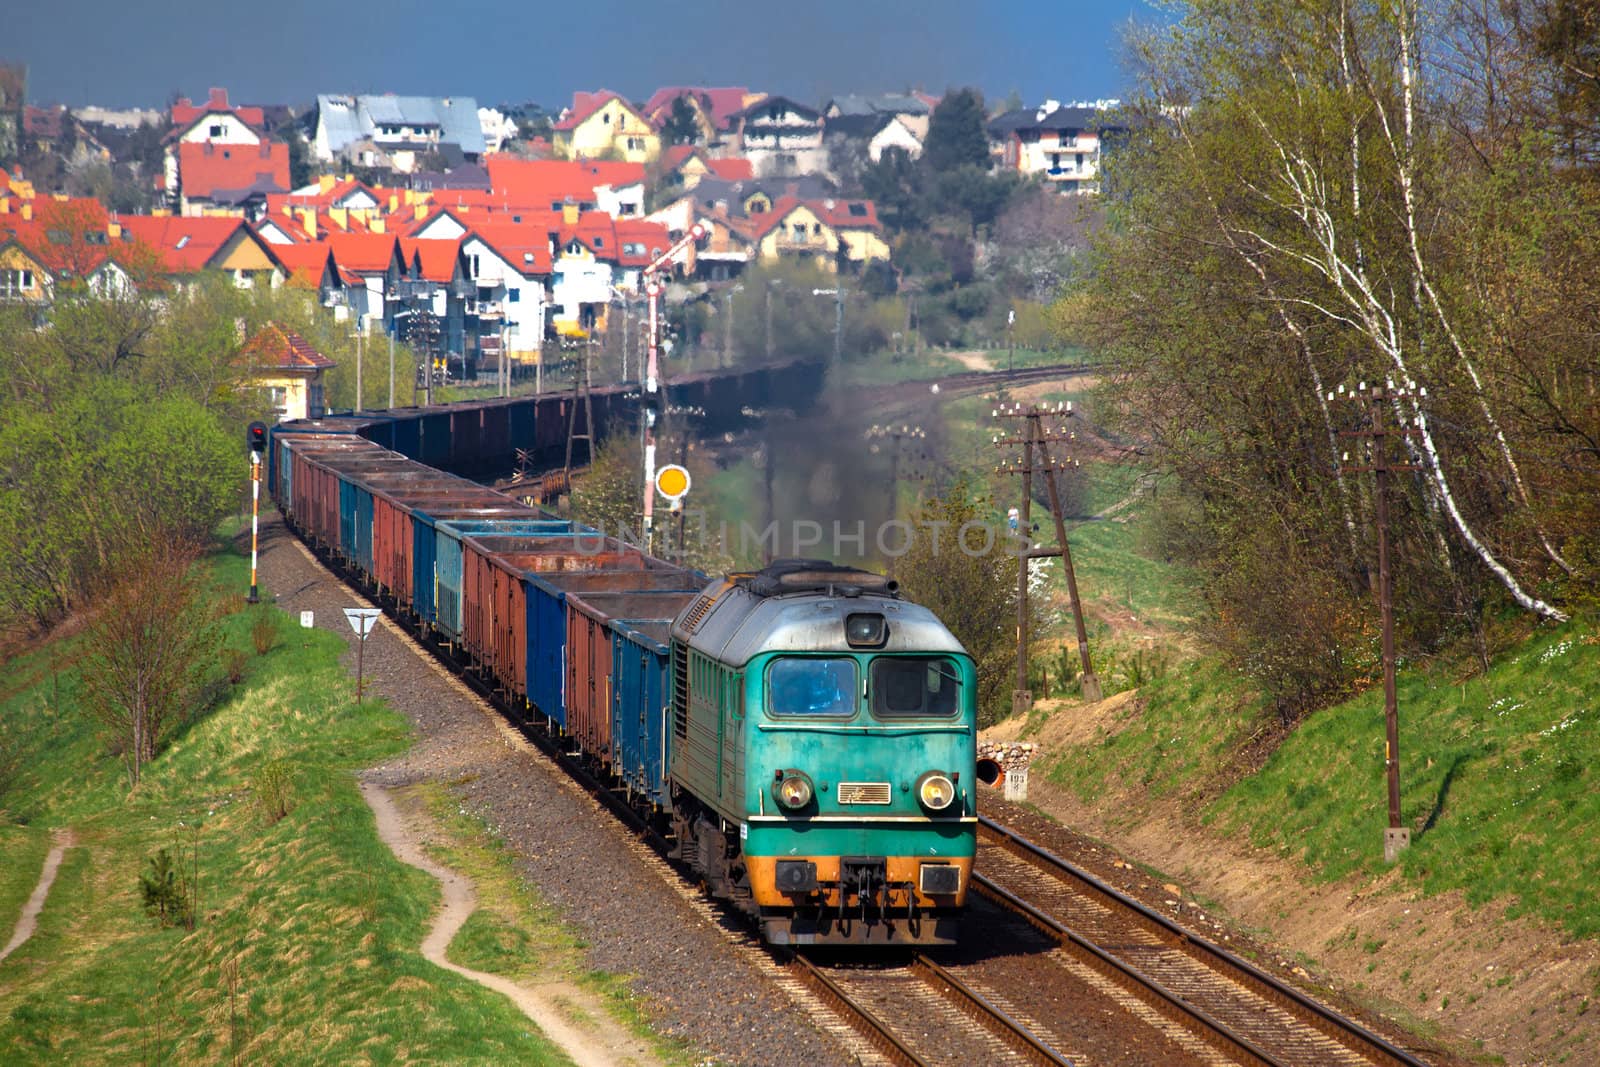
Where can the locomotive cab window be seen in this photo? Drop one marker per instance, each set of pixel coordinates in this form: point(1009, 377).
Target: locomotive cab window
point(925, 687)
point(812, 686)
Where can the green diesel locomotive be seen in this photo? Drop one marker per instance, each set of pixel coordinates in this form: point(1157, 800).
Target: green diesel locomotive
point(822, 743)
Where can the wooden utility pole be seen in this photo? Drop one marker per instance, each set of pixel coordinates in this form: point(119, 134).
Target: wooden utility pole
point(897, 435)
point(1396, 838)
point(1036, 438)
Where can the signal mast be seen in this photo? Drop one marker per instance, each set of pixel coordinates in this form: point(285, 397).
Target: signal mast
point(650, 408)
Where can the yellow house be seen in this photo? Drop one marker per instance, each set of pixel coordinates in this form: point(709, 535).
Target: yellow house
point(820, 232)
point(289, 370)
point(603, 125)
point(22, 277)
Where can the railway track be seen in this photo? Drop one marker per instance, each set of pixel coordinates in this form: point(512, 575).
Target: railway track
point(1241, 1012)
point(922, 1014)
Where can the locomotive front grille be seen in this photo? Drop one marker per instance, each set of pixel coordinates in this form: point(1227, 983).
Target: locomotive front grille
point(863, 792)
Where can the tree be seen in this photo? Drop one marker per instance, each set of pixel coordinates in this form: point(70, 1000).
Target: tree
point(973, 593)
point(300, 170)
point(956, 133)
point(682, 126)
point(972, 191)
point(894, 184)
point(151, 645)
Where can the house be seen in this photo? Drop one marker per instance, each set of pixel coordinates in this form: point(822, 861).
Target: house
point(603, 125)
point(592, 184)
point(1060, 143)
point(855, 140)
point(23, 278)
point(187, 246)
point(215, 122)
point(397, 132)
point(289, 370)
point(830, 234)
point(712, 109)
point(780, 137)
point(77, 247)
point(508, 265)
point(373, 267)
point(57, 131)
point(229, 179)
point(684, 166)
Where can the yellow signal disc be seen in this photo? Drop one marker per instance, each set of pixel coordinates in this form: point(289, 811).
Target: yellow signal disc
point(672, 481)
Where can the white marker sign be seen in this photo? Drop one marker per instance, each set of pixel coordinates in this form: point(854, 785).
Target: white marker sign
point(362, 620)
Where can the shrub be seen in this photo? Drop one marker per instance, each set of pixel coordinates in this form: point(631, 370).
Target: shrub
point(264, 632)
point(273, 789)
point(233, 664)
point(166, 891)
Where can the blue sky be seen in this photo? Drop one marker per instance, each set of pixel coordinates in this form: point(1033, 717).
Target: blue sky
point(116, 52)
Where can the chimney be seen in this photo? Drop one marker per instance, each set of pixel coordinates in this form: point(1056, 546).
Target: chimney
point(27, 211)
point(375, 224)
point(219, 98)
point(325, 184)
point(308, 221)
point(569, 213)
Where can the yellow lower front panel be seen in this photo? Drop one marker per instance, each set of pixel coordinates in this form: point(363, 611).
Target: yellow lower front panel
point(901, 870)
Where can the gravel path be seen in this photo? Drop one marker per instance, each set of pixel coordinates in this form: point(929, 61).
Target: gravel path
point(695, 980)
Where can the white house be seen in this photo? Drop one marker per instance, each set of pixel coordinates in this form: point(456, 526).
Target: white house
point(780, 137)
point(1060, 143)
point(508, 266)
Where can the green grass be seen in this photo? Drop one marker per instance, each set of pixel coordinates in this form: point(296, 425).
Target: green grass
point(1498, 779)
point(889, 368)
point(24, 849)
point(306, 947)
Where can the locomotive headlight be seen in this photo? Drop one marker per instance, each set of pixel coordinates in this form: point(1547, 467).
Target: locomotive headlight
point(866, 629)
point(935, 791)
point(792, 789)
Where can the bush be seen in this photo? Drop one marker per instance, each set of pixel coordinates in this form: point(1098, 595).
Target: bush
point(273, 790)
point(166, 892)
point(264, 632)
point(233, 664)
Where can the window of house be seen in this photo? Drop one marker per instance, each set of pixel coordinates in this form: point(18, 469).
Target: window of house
point(1055, 160)
point(635, 143)
point(17, 281)
point(514, 295)
point(599, 242)
point(606, 118)
point(475, 266)
point(799, 231)
point(96, 237)
point(278, 396)
point(858, 210)
point(816, 229)
point(217, 130)
point(1080, 159)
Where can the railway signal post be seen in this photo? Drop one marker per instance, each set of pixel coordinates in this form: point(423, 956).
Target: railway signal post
point(1036, 437)
point(256, 436)
point(1376, 435)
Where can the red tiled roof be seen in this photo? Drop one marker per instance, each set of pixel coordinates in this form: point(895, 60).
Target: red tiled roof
point(305, 262)
point(436, 258)
point(737, 169)
point(676, 155)
point(586, 104)
point(724, 101)
point(337, 192)
point(184, 112)
point(653, 236)
point(206, 169)
point(839, 213)
point(185, 245)
point(768, 221)
point(277, 347)
point(368, 253)
point(525, 247)
point(542, 182)
point(43, 121)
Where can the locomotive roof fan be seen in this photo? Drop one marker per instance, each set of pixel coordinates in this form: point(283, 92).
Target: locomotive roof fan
point(817, 576)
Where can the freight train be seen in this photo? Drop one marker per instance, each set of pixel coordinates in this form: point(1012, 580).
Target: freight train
point(807, 734)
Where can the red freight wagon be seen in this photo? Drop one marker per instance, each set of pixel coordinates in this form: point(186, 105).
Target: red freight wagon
point(494, 615)
point(588, 689)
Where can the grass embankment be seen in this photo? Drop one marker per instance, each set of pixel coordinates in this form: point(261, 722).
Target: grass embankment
point(306, 946)
point(1497, 774)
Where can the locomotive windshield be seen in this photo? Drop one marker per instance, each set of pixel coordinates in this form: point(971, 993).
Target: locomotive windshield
point(812, 686)
point(906, 687)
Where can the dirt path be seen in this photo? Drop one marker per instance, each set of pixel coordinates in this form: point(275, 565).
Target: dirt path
point(599, 1042)
point(972, 360)
point(29, 920)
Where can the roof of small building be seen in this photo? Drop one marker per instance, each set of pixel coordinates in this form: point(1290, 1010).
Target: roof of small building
point(347, 119)
point(586, 104)
point(187, 244)
point(1050, 116)
point(277, 347)
point(185, 113)
point(879, 104)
